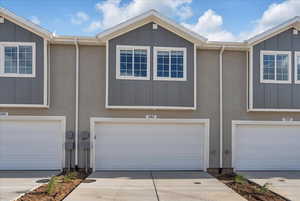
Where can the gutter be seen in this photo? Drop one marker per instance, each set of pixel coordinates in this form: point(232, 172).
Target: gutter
point(76, 101)
point(221, 104)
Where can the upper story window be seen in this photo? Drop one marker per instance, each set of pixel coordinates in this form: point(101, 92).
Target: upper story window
point(275, 67)
point(169, 63)
point(297, 67)
point(133, 62)
point(17, 59)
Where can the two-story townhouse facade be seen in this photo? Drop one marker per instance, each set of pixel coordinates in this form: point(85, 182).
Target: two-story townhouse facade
point(147, 94)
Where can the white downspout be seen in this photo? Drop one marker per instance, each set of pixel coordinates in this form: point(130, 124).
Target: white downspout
point(221, 105)
point(76, 102)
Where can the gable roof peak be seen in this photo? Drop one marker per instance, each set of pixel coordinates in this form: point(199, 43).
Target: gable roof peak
point(292, 22)
point(25, 23)
point(150, 15)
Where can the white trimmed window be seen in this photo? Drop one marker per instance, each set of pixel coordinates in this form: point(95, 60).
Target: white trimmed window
point(133, 62)
point(297, 67)
point(275, 67)
point(17, 59)
point(169, 63)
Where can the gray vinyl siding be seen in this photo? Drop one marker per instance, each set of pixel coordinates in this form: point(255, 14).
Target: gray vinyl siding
point(150, 92)
point(62, 90)
point(273, 95)
point(15, 90)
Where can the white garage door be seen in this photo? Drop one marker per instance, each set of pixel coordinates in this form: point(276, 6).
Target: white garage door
point(31, 143)
point(139, 144)
point(266, 145)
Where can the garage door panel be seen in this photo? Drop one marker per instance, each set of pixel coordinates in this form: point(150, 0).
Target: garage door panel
point(267, 147)
point(145, 146)
point(31, 144)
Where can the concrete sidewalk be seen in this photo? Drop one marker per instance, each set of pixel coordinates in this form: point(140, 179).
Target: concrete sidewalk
point(284, 183)
point(152, 186)
point(16, 183)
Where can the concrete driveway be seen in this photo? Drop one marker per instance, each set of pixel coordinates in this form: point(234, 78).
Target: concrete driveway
point(152, 186)
point(15, 183)
point(286, 184)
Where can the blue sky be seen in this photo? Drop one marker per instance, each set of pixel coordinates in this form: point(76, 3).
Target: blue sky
point(216, 19)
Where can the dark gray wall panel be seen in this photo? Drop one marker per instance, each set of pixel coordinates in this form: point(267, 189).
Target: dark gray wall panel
point(295, 96)
point(22, 90)
point(280, 96)
point(150, 92)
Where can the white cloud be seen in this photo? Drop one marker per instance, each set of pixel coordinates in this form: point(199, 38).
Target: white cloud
point(210, 25)
point(275, 14)
point(35, 20)
point(114, 11)
point(79, 18)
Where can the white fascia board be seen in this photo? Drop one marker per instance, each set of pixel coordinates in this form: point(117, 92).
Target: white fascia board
point(24, 106)
point(272, 110)
point(25, 23)
point(33, 118)
point(80, 39)
point(273, 31)
point(150, 120)
point(228, 45)
point(255, 122)
point(151, 15)
point(150, 107)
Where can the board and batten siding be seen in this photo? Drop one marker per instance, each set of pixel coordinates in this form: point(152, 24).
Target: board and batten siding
point(22, 90)
point(273, 95)
point(150, 92)
point(92, 102)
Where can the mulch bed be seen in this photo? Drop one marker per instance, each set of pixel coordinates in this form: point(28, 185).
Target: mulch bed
point(249, 190)
point(61, 190)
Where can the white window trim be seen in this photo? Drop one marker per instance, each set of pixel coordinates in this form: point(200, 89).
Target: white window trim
point(155, 50)
point(296, 54)
point(2, 58)
point(125, 47)
point(264, 52)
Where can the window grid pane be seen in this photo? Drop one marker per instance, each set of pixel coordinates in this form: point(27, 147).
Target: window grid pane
point(298, 67)
point(177, 64)
point(11, 59)
point(126, 62)
point(282, 63)
point(163, 63)
point(25, 59)
point(269, 67)
point(140, 63)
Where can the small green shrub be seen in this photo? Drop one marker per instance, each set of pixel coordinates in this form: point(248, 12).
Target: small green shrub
point(52, 185)
point(240, 179)
point(70, 176)
point(264, 188)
